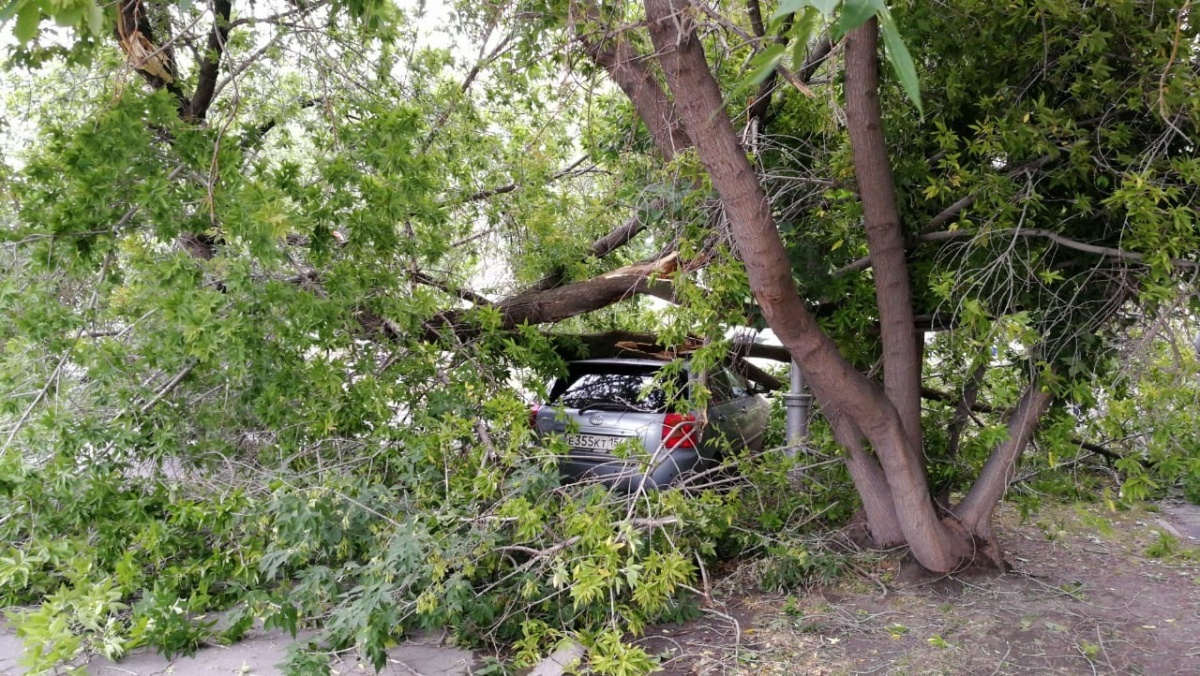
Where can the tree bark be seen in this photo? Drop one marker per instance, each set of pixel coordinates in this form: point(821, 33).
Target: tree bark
point(870, 483)
point(617, 57)
point(564, 302)
point(834, 381)
point(962, 412)
point(150, 55)
point(210, 65)
point(975, 511)
point(885, 237)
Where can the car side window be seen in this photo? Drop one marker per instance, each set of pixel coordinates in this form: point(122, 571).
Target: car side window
point(718, 386)
point(739, 387)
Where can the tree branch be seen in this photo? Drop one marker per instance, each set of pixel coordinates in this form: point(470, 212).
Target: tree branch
point(624, 65)
point(564, 302)
point(759, 105)
point(1105, 251)
point(948, 214)
point(511, 187)
point(210, 65)
point(952, 211)
point(977, 508)
point(463, 293)
point(256, 134)
point(870, 483)
point(617, 238)
point(169, 387)
point(962, 412)
point(1108, 252)
point(933, 394)
point(481, 62)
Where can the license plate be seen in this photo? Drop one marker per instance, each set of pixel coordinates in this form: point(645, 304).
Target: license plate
point(594, 442)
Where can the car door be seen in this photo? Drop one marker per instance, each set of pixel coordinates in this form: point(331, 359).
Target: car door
point(745, 412)
point(721, 432)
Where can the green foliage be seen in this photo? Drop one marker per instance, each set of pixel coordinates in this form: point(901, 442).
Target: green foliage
point(1167, 546)
point(312, 428)
point(1147, 417)
point(613, 657)
point(85, 16)
point(88, 545)
point(790, 566)
point(854, 14)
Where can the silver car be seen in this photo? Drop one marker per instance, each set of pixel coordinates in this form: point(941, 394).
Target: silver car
point(616, 417)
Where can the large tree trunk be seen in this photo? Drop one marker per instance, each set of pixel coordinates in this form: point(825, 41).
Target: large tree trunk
point(975, 511)
point(885, 237)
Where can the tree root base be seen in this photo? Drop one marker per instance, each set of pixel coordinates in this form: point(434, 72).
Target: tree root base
point(912, 573)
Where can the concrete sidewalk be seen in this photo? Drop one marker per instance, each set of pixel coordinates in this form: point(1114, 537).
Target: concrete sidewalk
point(257, 655)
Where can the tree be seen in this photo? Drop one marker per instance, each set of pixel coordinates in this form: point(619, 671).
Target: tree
point(301, 258)
point(895, 491)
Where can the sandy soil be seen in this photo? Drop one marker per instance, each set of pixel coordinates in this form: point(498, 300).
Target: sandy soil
point(1083, 598)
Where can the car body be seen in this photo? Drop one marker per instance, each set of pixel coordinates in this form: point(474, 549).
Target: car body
point(621, 428)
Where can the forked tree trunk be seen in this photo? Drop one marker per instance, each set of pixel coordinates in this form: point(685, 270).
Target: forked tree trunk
point(975, 511)
point(633, 75)
point(890, 425)
point(870, 483)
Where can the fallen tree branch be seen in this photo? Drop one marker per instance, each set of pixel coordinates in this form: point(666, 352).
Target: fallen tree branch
point(563, 302)
point(617, 238)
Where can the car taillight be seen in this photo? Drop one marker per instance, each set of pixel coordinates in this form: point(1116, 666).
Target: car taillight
point(679, 430)
point(533, 411)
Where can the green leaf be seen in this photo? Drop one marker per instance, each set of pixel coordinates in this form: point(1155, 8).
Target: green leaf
point(790, 7)
point(786, 7)
point(901, 60)
point(825, 7)
point(27, 22)
point(764, 64)
point(802, 32)
point(70, 16)
point(95, 19)
point(857, 12)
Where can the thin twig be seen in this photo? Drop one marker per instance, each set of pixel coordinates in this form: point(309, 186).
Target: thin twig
point(29, 409)
point(168, 387)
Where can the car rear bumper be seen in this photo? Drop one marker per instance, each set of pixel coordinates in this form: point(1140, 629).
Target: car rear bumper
point(628, 476)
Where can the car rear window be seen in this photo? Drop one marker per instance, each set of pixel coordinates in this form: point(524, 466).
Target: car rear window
point(627, 386)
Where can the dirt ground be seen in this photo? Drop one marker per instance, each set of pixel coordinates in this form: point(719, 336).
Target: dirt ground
point(1084, 598)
